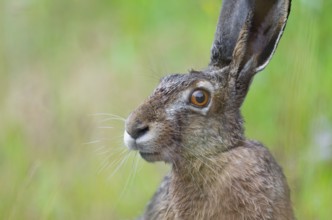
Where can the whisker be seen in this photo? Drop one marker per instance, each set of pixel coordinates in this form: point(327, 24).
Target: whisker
point(108, 156)
point(110, 151)
point(105, 163)
point(100, 140)
point(107, 127)
point(112, 118)
point(107, 114)
point(124, 160)
point(131, 176)
point(102, 150)
point(93, 142)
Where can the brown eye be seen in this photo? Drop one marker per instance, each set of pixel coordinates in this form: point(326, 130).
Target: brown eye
point(200, 98)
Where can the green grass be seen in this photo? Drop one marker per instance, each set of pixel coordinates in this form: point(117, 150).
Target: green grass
point(61, 62)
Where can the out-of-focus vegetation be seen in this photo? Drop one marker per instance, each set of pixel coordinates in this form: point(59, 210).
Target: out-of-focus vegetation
point(64, 63)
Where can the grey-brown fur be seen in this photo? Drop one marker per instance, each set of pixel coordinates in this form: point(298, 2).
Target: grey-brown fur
point(249, 185)
point(216, 172)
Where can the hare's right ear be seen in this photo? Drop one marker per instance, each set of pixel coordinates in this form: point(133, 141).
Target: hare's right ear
point(249, 29)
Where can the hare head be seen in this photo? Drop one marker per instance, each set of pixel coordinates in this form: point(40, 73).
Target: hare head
point(198, 114)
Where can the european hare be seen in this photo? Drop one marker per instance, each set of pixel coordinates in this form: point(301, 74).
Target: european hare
point(193, 122)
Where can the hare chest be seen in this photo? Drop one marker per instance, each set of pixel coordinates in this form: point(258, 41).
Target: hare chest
point(249, 185)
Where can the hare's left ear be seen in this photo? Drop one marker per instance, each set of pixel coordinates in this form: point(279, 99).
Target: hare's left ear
point(249, 30)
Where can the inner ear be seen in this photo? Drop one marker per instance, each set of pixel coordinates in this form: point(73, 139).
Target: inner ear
point(259, 27)
point(268, 20)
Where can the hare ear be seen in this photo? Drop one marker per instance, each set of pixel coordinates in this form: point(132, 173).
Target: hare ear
point(250, 27)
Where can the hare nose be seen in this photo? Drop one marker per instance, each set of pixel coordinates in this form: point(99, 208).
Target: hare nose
point(137, 129)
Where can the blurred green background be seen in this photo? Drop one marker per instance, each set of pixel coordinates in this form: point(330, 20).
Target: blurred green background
point(65, 66)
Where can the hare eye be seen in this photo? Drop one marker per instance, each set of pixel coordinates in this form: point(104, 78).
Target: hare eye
point(200, 98)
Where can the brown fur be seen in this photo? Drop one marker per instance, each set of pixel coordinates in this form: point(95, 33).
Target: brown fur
point(216, 172)
point(242, 183)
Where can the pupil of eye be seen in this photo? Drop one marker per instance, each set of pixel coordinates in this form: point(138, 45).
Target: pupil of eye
point(200, 97)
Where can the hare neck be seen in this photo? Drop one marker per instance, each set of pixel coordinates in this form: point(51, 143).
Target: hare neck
point(199, 171)
point(195, 187)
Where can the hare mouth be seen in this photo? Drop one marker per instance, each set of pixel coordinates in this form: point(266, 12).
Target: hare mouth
point(150, 157)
